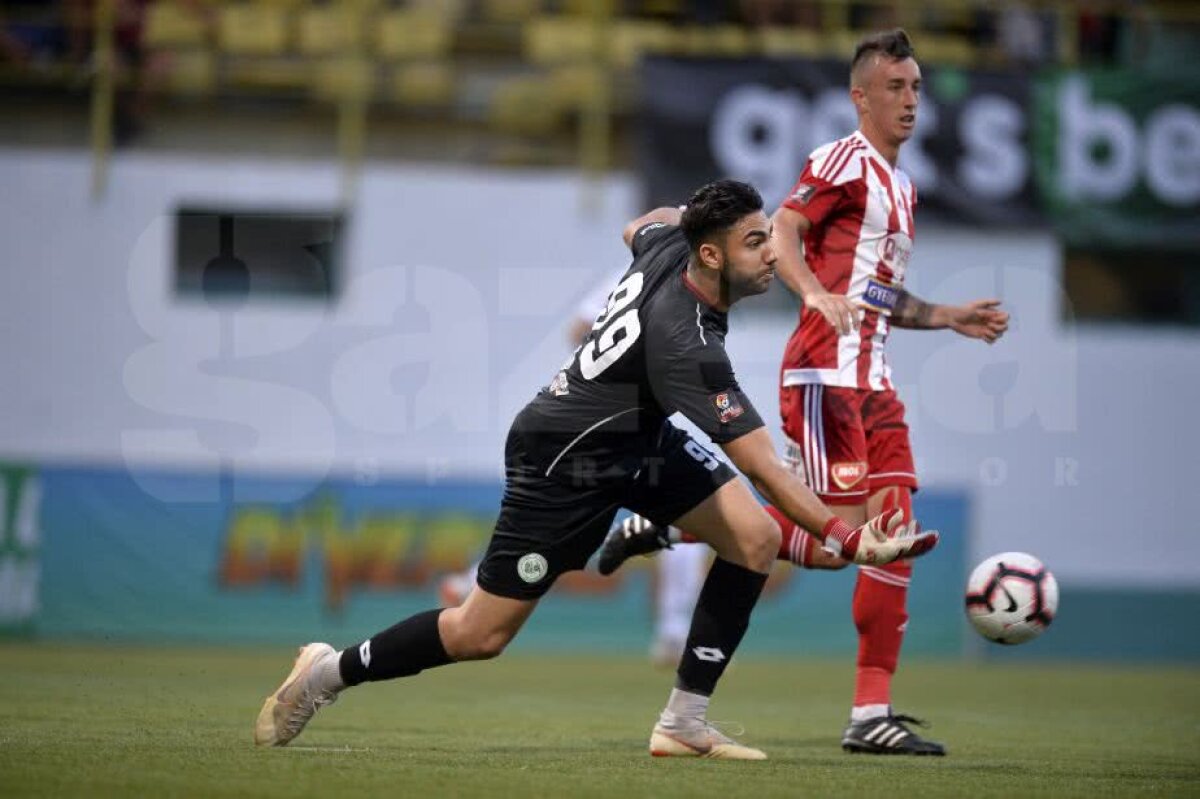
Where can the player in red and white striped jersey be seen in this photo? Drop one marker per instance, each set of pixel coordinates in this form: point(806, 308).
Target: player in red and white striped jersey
point(843, 239)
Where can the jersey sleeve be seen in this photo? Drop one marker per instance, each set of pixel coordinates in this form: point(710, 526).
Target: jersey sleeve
point(696, 379)
point(814, 198)
point(650, 234)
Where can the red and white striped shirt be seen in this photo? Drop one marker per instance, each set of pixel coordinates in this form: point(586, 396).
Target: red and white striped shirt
point(861, 210)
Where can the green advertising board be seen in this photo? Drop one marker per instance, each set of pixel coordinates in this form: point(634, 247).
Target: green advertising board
point(1117, 156)
point(20, 537)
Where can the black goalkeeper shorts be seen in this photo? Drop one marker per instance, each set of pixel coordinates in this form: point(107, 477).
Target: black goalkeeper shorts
point(550, 525)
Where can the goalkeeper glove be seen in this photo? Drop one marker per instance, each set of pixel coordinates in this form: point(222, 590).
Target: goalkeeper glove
point(881, 540)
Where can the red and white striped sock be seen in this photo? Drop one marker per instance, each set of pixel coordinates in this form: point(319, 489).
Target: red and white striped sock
point(880, 596)
point(797, 545)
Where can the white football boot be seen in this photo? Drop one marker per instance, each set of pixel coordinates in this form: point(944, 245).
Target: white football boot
point(692, 737)
point(289, 708)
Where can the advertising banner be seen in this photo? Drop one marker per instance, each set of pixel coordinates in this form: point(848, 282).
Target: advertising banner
point(1118, 156)
point(759, 119)
point(20, 536)
point(124, 560)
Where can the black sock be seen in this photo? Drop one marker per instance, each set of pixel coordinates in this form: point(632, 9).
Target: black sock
point(404, 649)
point(718, 624)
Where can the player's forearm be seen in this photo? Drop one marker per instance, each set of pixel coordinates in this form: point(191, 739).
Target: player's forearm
point(788, 243)
point(665, 215)
point(796, 275)
point(790, 495)
point(913, 313)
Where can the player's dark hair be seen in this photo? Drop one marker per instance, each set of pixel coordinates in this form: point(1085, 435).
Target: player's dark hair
point(715, 208)
point(894, 44)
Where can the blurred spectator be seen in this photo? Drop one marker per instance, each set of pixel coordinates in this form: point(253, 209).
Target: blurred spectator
point(12, 49)
point(871, 17)
point(1099, 36)
point(1024, 37)
point(33, 33)
point(783, 13)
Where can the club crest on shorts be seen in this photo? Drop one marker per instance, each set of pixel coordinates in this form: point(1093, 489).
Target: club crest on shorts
point(727, 405)
point(847, 474)
point(532, 567)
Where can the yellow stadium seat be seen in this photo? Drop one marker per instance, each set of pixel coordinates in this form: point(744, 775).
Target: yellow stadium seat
point(430, 84)
point(407, 34)
point(777, 41)
point(840, 44)
point(337, 78)
point(253, 29)
point(191, 72)
point(576, 85)
point(510, 10)
point(525, 105)
point(171, 25)
point(631, 39)
point(555, 40)
point(583, 8)
point(328, 30)
point(943, 49)
point(277, 73)
point(661, 7)
point(715, 40)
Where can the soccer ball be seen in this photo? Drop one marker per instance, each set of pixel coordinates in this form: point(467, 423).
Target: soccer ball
point(1011, 598)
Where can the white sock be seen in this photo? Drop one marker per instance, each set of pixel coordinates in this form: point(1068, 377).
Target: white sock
point(867, 712)
point(327, 673)
point(681, 575)
point(682, 706)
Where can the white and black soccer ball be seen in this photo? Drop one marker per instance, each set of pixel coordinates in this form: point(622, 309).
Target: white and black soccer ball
point(1011, 598)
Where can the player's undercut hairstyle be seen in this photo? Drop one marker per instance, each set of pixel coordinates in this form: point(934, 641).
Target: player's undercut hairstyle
point(715, 208)
point(893, 44)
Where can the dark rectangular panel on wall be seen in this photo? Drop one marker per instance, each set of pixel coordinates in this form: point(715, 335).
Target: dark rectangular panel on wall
point(232, 254)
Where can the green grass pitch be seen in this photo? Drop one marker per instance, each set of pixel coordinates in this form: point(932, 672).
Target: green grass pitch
point(136, 722)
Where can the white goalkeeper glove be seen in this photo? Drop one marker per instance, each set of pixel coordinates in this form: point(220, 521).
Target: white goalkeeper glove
point(881, 540)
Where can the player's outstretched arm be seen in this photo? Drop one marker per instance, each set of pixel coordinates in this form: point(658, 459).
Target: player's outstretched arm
point(981, 319)
point(883, 539)
point(667, 216)
point(787, 237)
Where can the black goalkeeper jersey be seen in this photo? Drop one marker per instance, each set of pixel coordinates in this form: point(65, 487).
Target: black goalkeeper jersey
point(657, 348)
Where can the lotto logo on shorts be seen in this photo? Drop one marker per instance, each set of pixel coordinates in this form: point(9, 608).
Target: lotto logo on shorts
point(532, 567)
point(727, 405)
point(849, 474)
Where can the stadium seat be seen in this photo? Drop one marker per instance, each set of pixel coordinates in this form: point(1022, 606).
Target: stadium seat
point(946, 49)
point(525, 105)
point(631, 39)
point(412, 34)
point(715, 40)
point(191, 72)
point(423, 85)
point(575, 86)
point(839, 45)
point(277, 73)
point(778, 41)
point(660, 8)
point(586, 8)
point(559, 39)
point(509, 11)
point(171, 25)
point(253, 29)
point(336, 78)
point(329, 30)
